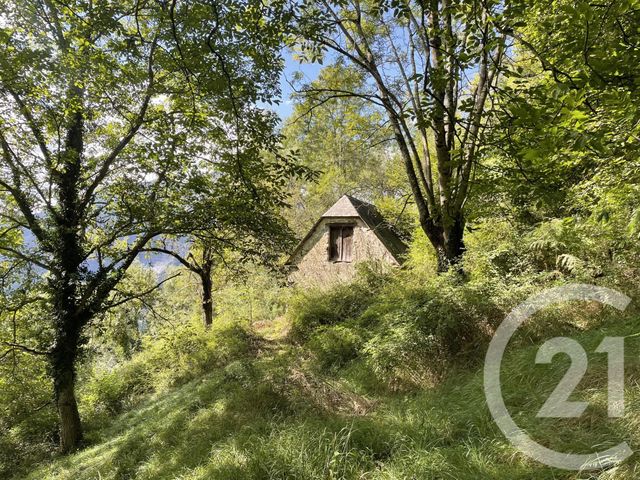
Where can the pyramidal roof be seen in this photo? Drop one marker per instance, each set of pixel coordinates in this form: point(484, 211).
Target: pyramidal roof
point(344, 207)
point(351, 207)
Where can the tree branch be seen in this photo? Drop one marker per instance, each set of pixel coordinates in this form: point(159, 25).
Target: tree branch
point(24, 348)
point(137, 296)
point(133, 129)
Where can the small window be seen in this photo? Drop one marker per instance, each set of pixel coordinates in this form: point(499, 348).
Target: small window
point(340, 242)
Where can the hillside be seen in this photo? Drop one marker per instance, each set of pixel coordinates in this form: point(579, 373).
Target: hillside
point(319, 239)
point(281, 404)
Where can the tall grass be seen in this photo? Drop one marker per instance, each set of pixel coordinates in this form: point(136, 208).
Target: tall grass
point(257, 422)
point(379, 379)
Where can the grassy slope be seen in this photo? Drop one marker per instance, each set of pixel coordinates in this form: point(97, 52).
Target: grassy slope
point(271, 417)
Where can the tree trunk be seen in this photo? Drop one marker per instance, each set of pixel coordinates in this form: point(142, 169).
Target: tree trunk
point(445, 235)
point(70, 426)
point(65, 284)
point(448, 244)
point(207, 299)
point(454, 243)
point(62, 365)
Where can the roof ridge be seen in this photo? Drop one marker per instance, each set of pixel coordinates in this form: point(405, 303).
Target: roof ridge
point(352, 198)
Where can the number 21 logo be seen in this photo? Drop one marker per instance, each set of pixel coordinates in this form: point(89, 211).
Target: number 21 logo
point(558, 404)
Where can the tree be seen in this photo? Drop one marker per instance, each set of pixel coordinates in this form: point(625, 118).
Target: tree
point(565, 113)
point(562, 156)
point(348, 142)
point(430, 66)
point(257, 237)
point(120, 122)
point(200, 260)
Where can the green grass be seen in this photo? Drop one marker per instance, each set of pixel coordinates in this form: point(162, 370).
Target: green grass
point(273, 416)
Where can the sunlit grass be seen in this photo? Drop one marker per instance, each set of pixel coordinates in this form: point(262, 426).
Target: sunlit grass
point(273, 412)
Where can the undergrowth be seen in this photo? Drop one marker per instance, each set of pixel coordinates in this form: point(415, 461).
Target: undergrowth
point(276, 416)
point(378, 379)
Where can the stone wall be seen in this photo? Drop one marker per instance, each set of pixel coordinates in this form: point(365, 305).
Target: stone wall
point(312, 261)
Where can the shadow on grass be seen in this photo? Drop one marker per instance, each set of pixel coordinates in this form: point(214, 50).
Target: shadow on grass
point(259, 419)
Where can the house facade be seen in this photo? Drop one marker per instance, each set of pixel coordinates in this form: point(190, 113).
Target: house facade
point(350, 232)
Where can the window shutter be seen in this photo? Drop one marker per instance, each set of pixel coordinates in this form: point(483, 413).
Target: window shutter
point(340, 243)
point(335, 243)
point(347, 242)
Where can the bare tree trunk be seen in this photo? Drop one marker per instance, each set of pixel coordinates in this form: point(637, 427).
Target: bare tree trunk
point(205, 271)
point(62, 363)
point(445, 235)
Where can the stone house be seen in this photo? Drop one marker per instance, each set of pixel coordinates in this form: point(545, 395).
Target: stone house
point(351, 231)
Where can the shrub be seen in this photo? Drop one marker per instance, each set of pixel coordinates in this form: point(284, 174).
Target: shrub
point(315, 308)
point(422, 329)
point(173, 357)
point(28, 420)
point(408, 327)
point(111, 392)
point(334, 346)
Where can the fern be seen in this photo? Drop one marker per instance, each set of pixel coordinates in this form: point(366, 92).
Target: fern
point(634, 223)
point(569, 263)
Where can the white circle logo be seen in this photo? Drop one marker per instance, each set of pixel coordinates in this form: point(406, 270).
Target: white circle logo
point(557, 405)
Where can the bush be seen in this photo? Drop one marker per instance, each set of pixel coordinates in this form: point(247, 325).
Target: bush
point(28, 420)
point(408, 327)
point(422, 329)
point(107, 393)
point(173, 357)
point(334, 346)
point(342, 302)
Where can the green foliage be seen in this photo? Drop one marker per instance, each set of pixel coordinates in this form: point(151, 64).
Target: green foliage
point(345, 141)
point(422, 327)
point(28, 421)
point(311, 309)
point(256, 296)
point(336, 403)
point(408, 327)
point(28, 427)
point(497, 249)
point(411, 327)
point(121, 327)
point(174, 356)
point(379, 378)
point(567, 119)
point(241, 422)
point(334, 346)
point(121, 122)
